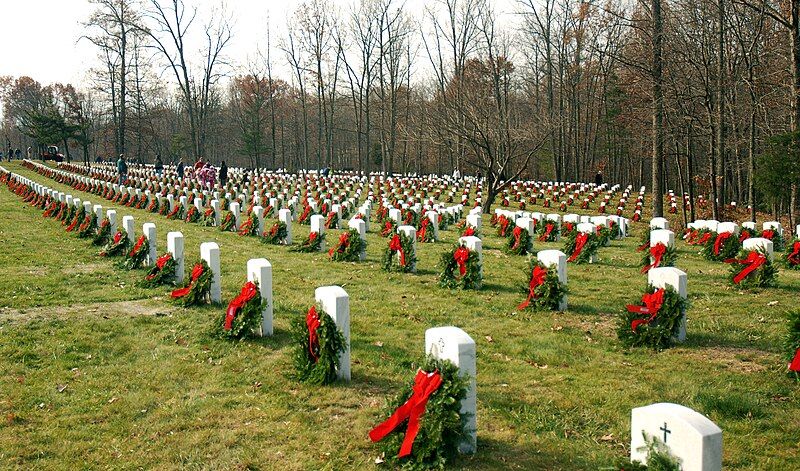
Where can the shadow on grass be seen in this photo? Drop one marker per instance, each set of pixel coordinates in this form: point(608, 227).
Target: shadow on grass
point(722, 340)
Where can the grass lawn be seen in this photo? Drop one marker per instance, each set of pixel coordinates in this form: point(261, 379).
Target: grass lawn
point(98, 373)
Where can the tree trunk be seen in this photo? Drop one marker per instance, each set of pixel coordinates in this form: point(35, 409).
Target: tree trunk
point(658, 110)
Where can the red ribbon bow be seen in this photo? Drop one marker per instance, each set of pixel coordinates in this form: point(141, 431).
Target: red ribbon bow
point(657, 252)
point(516, 233)
point(721, 238)
point(197, 272)
point(313, 323)
point(744, 235)
point(469, 232)
point(580, 242)
point(547, 230)
point(795, 364)
point(794, 256)
point(706, 237)
point(423, 228)
point(249, 291)
point(396, 246)
point(117, 237)
point(652, 304)
point(138, 246)
point(162, 260)
point(753, 262)
point(768, 234)
point(537, 279)
point(460, 256)
point(425, 384)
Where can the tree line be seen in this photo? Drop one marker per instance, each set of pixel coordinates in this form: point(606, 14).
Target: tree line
point(701, 96)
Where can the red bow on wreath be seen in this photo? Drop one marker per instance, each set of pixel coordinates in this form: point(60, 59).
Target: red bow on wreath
point(469, 232)
point(517, 233)
point(117, 237)
point(538, 276)
point(425, 384)
point(753, 262)
point(249, 291)
point(580, 242)
point(548, 229)
point(138, 246)
point(197, 272)
point(396, 246)
point(795, 364)
point(313, 323)
point(423, 228)
point(657, 252)
point(652, 304)
point(721, 238)
point(794, 256)
point(768, 234)
point(460, 256)
point(744, 235)
point(706, 237)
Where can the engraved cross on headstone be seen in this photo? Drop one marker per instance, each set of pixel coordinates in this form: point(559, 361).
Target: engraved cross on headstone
point(666, 431)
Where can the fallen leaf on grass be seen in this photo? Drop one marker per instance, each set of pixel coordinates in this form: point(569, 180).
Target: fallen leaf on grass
point(489, 339)
point(113, 400)
point(772, 303)
point(607, 438)
point(61, 388)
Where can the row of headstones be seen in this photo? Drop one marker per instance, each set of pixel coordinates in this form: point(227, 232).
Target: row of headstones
point(660, 233)
point(288, 215)
point(689, 436)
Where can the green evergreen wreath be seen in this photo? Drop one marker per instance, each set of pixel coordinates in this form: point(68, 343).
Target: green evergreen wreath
point(589, 249)
point(390, 262)
point(321, 369)
point(176, 213)
point(604, 235)
point(541, 230)
point(88, 227)
point(348, 248)
point(250, 226)
point(154, 205)
point(791, 256)
point(103, 233)
point(197, 288)
point(389, 228)
point(442, 426)
point(660, 332)
point(667, 260)
point(310, 244)
point(247, 318)
point(521, 247)
point(135, 257)
point(228, 223)
point(161, 273)
point(445, 220)
point(792, 342)
point(117, 245)
point(276, 234)
point(451, 275)
point(548, 294)
point(209, 217)
point(192, 215)
point(658, 459)
point(728, 248)
point(763, 277)
point(777, 239)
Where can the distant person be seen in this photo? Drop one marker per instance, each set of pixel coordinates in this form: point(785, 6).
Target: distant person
point(598, 179)
point(223, 173)
point(180, 169)
point(198, 165)
point(18, 153)
point(122, 169)
point(159, 165)
point(29, 152)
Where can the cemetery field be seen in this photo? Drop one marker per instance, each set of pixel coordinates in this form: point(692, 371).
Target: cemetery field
point(96, 372)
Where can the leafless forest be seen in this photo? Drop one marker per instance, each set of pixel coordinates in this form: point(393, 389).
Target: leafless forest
point(701, 97)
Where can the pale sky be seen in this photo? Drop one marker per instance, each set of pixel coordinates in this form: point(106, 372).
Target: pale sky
point(40, 38)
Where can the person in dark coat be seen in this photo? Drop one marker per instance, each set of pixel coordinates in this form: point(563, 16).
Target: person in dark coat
point(223, 173)
point(159, 165)
point(180, 169)
point(598, 179)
